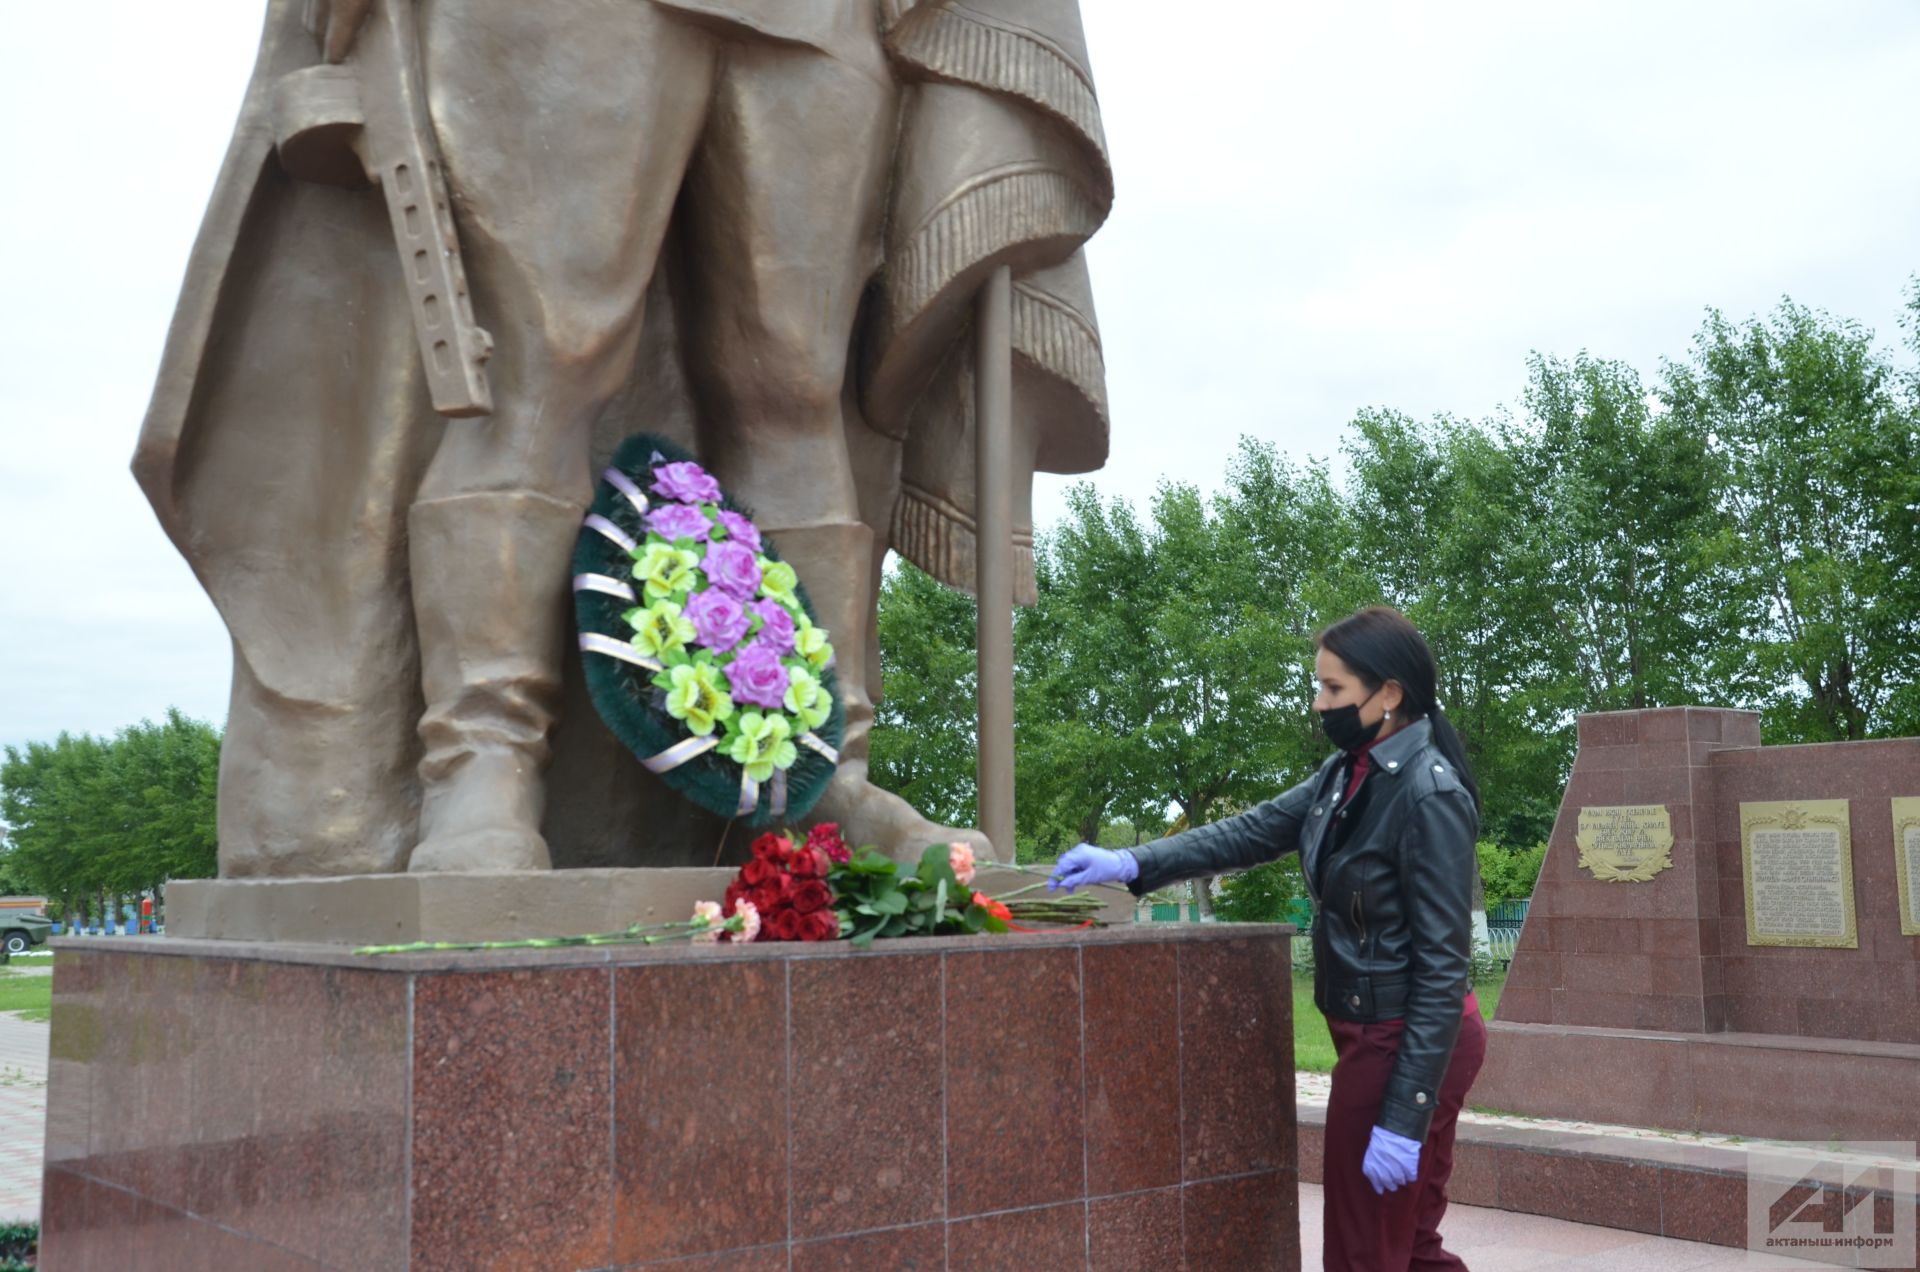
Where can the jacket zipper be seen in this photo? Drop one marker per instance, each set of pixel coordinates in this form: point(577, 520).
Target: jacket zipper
point(1359, 919)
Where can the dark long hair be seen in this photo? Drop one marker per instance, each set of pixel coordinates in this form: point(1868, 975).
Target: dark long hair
point(1378, 644)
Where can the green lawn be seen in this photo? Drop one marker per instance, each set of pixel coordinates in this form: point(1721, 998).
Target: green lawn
point(30, 996)
point(1313, 1045)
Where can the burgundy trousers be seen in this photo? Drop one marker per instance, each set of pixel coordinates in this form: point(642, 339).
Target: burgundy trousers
point(1397, 1231)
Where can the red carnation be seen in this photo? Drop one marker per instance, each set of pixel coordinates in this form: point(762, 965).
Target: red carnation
point(821, 925)
point(735, 891)
point(786, 925)
point(810, 863)
point(759, 871)
point(811, 895)
point(998, 909)
point(826, 837)
point(768, 898)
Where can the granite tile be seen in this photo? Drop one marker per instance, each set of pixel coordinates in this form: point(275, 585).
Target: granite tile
point(297, 1091)
point(1822, 1017)
point(1616, 973)
point(700, 1108)
point(1525, 1006)
point(922, 1248)
point(141, 1099)
point(79, 1016)
point(1051, 1237)
point(1662, 724)
point(771, 1258)
point(1474, 1179)
point(1670, 1013)
point(169, 1241)
point(1016, 1122)
point(511, 1104)
point(1704, 726)
point(1133, 1068)
point(1679, 974)
point(1137, 1233)
point(867, 1147)
point(1310, 1146)
point(1249, 1222)
point(1704, 1205)
point(1607, 1192)
point(1236, 1057)
point(65, 1239)
point(1608, 728)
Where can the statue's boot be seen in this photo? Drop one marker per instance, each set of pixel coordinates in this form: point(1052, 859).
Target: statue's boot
point(489, 594)
point(833, 562)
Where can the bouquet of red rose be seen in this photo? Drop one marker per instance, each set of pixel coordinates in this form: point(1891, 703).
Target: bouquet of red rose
point(821, 890)
point(787, 884)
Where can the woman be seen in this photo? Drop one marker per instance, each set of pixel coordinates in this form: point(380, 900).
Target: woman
point(1385, 831)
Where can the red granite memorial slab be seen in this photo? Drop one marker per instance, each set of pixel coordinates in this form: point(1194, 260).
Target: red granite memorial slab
point(1619, 966)
point(942, 1103)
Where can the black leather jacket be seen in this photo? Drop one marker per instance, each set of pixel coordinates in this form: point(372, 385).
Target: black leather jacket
point(1393, 925)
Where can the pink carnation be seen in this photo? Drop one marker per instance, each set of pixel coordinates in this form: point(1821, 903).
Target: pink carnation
point(750, 916)
point(960, 857)
point(709, 913)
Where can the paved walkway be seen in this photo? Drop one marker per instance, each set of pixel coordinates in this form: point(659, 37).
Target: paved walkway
point(1503, 1241)
point(23, 1115)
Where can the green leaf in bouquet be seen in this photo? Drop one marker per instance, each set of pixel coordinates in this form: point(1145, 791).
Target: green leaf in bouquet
point(890, 902)
point(894, 926)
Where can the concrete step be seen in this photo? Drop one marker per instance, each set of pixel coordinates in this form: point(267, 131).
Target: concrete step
point(1671, 1184)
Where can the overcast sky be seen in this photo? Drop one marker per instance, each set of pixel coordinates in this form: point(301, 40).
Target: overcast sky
point(1321, 207)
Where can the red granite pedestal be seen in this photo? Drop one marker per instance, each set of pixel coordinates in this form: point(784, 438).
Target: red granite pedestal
point(1644, 1004)
point(1109, 1099)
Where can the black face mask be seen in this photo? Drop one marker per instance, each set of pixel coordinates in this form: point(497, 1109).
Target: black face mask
point(1343, 728)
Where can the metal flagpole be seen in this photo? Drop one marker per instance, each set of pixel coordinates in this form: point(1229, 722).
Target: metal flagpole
point(993, 554)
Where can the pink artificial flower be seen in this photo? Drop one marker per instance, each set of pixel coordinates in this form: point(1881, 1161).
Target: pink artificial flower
point(756, 676)
point(740, 529)
point(719, 621)
point(733, 568)
point(776, 626)
point(687, 482)
point(960, 857)
point(709, 913)
point(679, 521)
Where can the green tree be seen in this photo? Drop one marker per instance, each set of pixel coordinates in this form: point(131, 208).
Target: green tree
point(93, 818)
point(924, 743)
point(1617, 514)
point(1815, 451)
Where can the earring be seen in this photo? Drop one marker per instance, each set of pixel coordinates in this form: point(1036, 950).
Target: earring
point(1387, 715)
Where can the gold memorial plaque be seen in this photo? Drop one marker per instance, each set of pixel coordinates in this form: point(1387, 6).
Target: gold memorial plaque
point(1906, 862)
point(1626, 843)
point(1796, 858)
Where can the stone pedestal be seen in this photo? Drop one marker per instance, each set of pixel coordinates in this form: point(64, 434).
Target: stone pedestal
point(1643, 1003)
point(1120, 1098)
point(398, 909)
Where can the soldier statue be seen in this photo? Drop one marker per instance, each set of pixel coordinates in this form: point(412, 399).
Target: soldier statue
point(753, 225)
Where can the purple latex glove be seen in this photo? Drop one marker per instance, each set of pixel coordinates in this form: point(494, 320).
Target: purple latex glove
point(1084, 864)
point(1392, 1160)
